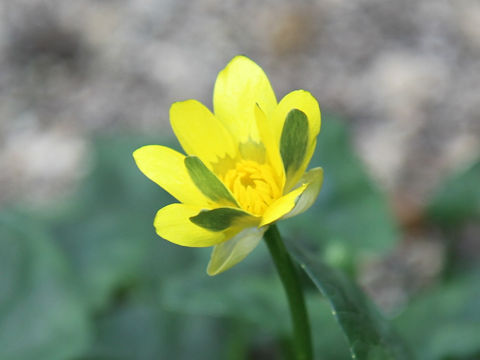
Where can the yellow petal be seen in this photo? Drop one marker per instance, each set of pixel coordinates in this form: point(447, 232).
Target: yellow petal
point(240, 86)
point(231, 252)
point(305, 102)
point(173, 224)
point(166, 167)
point(200, 133)
point(268, 139)
point(282, 206)
point(314, 180)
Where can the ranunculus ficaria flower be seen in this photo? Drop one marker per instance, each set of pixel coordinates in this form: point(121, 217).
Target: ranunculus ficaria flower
point(245, 166)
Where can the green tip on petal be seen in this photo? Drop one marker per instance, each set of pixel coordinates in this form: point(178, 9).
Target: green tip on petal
point(221, 218)
point(294, 140)
point(207, 182)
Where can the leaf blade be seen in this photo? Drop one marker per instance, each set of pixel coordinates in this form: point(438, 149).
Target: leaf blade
point(369, 335)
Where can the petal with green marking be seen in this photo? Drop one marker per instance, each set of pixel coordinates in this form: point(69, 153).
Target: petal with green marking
point(301, 100)
point(166, 167)
point(207, 182)
point(173, 224)
point(221, 219)
point(240, 86)
point(231, 252)
point(314, 180)
point(305, 102)
point(200, 133)
point(294, 141)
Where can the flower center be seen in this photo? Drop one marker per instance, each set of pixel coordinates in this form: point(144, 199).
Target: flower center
point(254, 185)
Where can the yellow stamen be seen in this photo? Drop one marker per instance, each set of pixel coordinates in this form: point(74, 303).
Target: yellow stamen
point(254, 185)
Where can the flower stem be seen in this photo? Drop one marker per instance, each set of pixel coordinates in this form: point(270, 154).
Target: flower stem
point(288, 274)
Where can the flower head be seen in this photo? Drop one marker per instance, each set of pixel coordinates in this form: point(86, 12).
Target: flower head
point(245, 166)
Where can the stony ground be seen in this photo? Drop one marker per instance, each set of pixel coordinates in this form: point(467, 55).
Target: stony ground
point(405, 74)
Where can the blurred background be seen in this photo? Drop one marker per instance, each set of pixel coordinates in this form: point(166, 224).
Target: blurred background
point(84, 83)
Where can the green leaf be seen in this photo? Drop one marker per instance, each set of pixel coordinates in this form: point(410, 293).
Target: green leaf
point(207, 181)
point(458, 199)
point(369, 335)
point(142, 330)
point(444, 321)
point(219, 219)
point(41, 312)
point(129, 331)
point(105, 229)
point(294, 140)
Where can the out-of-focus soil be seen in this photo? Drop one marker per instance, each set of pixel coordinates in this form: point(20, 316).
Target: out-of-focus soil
point(404, 74)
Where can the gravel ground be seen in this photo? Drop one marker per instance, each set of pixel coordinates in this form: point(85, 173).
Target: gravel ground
point(405, 74)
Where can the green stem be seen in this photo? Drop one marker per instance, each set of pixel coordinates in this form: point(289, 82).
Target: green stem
point(289, 276)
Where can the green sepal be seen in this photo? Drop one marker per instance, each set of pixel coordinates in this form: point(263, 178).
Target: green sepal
point(219, 219)
point(207, 182)
point(294, 140)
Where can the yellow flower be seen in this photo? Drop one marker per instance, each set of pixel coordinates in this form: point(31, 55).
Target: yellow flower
point(245, 164)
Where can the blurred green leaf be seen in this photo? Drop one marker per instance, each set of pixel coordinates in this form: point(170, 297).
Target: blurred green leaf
point(142, 331)
point(328, 339)
point(348, 204)
point(458, 198)
point(444, 323)
point(41, 314)
point(128, 332)
point(107, 231)
point(369, 335)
